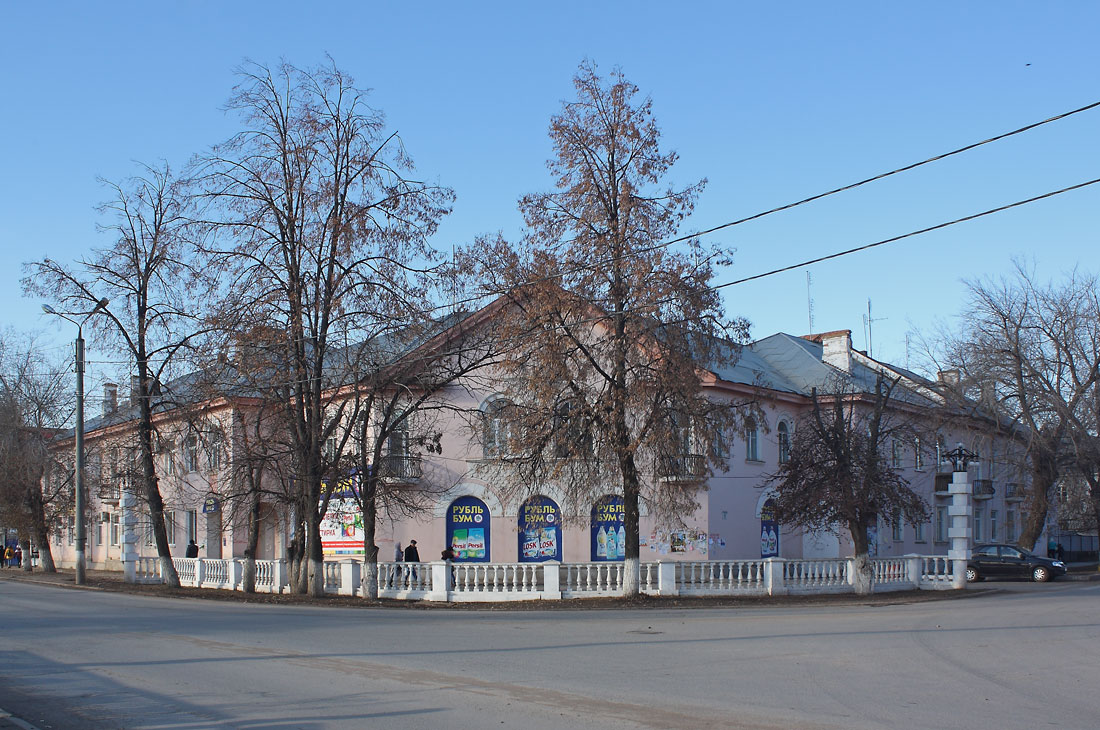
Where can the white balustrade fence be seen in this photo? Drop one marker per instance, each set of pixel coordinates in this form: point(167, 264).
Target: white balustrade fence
point(442, 581)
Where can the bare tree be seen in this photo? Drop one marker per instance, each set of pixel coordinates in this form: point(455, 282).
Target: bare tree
point(614, 332)
point(148, 276)
point(326, 242)
point(35, 401)
point(1030, 353)
point(839, 474)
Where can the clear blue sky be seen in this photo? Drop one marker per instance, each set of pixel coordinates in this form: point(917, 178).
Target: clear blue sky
point(772, 102)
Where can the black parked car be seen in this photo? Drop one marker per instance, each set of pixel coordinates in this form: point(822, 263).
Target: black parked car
point(998, 561)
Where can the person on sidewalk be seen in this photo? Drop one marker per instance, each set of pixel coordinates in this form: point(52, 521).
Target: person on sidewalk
point(394, 578)
point(17, 557)
point(192, 550)
point(412, 555)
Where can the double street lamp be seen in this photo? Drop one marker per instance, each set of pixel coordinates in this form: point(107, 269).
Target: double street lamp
point(81, 537)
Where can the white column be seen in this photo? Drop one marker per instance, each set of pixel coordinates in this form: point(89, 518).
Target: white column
point(551, 580)
point(200, 572)
point(666, 579)
point(959, 531)
point(236, 574)
point(128, 504)
point(914, 566)
point(441, 581)
point(350, 572)
point(773, 576)
point(279, 580)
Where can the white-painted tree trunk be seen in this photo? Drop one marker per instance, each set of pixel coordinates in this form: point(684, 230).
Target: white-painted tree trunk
point(862, 575)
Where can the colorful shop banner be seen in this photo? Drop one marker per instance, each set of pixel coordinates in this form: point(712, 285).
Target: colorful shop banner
point(342, 528)
point(468, 530)
point(539, 530)
point(769, 530)
point(608, 529)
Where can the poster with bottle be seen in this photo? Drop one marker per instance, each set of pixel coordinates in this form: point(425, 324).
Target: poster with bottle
point(607, 529)
point(769, 530)
point(469, 530)
point(540, 518)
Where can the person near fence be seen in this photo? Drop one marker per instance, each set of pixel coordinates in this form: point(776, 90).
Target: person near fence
point(448, 555)
point(192, 550)
point(412, 555)
point(17, 558)
point(8, 555)
point(394, 577)
point(1060, 551)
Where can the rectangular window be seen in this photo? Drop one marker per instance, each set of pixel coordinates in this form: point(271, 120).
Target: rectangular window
point(941, 524)
point(192, 525)
point(978, 517)
point(918, 455)
point(114, 529)
point(895, 454)
point(897, 533)
point(993, 525)
point(752, 443)
point(72, 529)
point(918, 532)
point(214, 452)
point(190, 455)
point(1010, 526)
point(170, 526)
point(99, 532)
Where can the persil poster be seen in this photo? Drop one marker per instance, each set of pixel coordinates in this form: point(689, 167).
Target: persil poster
point(468, 530)
point(539, 530)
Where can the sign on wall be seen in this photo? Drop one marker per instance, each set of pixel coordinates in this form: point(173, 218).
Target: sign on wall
point(468, 530)
point(539, 530)
point(769, 530)
point(608, 529)
point(342, 528)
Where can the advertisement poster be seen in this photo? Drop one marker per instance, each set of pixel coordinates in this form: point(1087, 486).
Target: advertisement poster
point(608, 530)
point(769, 531)
point(468, 530)
point(539, 530)
point(342, 528)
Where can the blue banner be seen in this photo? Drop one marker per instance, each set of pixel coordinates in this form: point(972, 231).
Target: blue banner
point(468, 530)
point(608, 529)
point(539, 530)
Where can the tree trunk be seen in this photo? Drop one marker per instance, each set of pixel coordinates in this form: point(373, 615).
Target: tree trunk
point(249, 578)
point(862, 572)
point(370, 549)
point(25, 543)
point(316, 557)
point(39, 533)
point(1044, 472)
point(152, 490)
point(632, 527)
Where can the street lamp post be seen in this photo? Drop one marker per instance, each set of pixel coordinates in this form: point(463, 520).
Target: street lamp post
point(81, 537)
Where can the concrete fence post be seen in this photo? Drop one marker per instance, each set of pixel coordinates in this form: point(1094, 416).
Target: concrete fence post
point(200, 572)
point(441, 582)
point(913, 564)
point(773, 576)
point(666, 579)
point(551, 581)
point(236, 574)
point(350, 572)
point(278, 578)
point(850, 571)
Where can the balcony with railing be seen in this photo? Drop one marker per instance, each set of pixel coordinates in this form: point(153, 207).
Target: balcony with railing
point(400, 468)
point(682, 467)
point(109, 494)
point(983, 489)
point(1014, 493)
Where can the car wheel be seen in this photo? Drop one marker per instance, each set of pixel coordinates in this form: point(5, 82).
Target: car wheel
point(1041, 574)
point(972, 575)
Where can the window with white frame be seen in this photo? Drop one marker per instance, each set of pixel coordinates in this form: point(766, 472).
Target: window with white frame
point(192, 525)
point(170, 526)
point(214, 451)
point(190, 454)
point(993, 525)
point(719, 446)
point(979, 516)
point(115, 529)
point(897, 531)
point(72, 529)
point(1010, 525)
point(784, 442)
point(918, 454)
point(497, 429)
point(752, 441)
point(918, 531)
point(895, 454)
point(941, 524)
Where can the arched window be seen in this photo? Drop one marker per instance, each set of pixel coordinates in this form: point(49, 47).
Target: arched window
point(497, 429)
point(784, 442)
point(573, 439)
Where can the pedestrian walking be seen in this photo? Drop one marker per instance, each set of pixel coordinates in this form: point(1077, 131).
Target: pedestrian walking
point(192, 550)
point(8, 555)
point(412, 555)
point(18, 557)
point(1060, 551)
point(394, 578)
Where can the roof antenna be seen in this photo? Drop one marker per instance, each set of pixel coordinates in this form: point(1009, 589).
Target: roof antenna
point(809, 301)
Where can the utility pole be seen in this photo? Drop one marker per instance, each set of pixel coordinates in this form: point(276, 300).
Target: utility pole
point(809, 301)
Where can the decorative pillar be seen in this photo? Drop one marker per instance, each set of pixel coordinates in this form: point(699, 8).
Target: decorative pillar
point(959, 513)
point(128, 504)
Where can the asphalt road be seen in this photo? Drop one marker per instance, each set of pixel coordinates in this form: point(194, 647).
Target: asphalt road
point(1027, 656)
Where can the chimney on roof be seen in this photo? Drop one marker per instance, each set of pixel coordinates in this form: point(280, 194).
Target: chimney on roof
point(110, 398)
point(836, 349)
point(948, 377)
point(135, 388)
